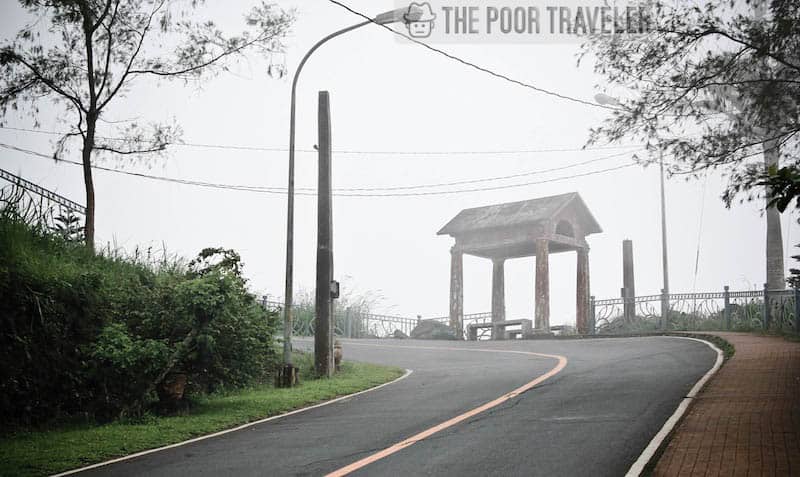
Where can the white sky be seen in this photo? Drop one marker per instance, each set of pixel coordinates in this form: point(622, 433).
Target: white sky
point(388, 95)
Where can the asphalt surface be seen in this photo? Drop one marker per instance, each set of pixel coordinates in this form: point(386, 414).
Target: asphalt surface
point(593, 418)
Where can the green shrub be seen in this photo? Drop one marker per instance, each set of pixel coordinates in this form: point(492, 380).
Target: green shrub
point(93, 335)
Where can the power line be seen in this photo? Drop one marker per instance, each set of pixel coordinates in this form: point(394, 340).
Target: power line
point(276, 190)
point(353, 152)
point(485, 179)
point(474, 65)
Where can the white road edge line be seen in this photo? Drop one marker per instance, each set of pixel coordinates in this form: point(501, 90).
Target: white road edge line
point(227, 431)
point(649, 451)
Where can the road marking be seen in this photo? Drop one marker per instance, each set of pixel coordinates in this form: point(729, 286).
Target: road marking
point(227, 431)
point(649, 451)
point(562, 363)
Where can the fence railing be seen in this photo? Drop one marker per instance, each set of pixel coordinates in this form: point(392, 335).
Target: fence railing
point(470, 318)
point(348, 322)
point(726, 310)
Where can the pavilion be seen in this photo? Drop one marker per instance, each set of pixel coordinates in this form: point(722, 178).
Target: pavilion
point(536, 227)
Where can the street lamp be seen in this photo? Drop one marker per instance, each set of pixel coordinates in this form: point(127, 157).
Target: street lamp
point(607, 100)
point(394, 16)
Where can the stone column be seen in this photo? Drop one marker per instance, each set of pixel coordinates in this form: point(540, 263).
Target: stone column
point(498, 296)
point(582, 292)
point(542, 286)
point(457, 292)
point(629, 307)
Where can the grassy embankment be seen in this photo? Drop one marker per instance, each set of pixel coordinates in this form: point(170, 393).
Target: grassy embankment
point(56, 449)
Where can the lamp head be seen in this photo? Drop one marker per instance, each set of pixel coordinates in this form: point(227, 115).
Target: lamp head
point(606, 100)
point(402, 15)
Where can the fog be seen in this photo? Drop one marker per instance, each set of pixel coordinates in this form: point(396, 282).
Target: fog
point(402, 116)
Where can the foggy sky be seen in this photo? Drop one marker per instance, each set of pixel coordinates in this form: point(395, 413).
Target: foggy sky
point(390, 95)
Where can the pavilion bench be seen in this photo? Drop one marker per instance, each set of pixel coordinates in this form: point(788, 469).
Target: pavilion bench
point(526, 328)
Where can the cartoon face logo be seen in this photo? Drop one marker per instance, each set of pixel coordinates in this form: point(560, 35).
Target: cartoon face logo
point(419, 20)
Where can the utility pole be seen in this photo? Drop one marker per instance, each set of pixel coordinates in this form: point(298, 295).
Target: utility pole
point(665, 289)
point(405, 14)
point(323, 333)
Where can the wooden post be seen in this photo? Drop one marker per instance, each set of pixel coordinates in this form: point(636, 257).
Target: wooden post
point(323, 353)
point(582, 292)
point(498, 296)
point(542, 286)
point(457, 292)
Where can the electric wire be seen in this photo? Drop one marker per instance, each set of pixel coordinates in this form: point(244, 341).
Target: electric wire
point(353, 152)
point(276, 190)
point(474, 65)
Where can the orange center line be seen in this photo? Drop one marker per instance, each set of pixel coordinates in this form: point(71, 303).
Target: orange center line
point(562, 363)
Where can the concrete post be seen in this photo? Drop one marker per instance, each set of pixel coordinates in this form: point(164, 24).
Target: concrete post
point(582, 292)
point(627, 279)
point(498, 296)
point(542, 286)
point(457, 292)
point(727, 298)
point(323, 329)
point(767, 308)
point(592, 316)
point(796, 310)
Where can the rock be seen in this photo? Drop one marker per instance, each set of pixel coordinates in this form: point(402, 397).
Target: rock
point(399, 335)
point(432, 330)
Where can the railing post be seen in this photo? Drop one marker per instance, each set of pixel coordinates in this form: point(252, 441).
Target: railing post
point(767, 309)
point(797, 310)
point(592, 316)
point(727, 312)
point(664, 310)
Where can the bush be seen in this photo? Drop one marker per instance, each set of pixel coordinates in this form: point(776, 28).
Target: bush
point(93, 335)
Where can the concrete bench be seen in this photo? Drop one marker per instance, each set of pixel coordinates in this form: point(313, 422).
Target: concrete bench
point(526, 328)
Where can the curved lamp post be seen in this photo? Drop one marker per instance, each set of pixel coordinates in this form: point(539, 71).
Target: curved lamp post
point(394, 16)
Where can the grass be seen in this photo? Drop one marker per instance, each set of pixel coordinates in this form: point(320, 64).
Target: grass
point(43, 452)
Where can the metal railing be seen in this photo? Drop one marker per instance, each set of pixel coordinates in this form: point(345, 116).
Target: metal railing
point(348, 323)
point(764, 309)
point(725, 310)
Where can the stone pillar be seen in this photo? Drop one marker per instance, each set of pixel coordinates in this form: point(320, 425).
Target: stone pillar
point(498, 296)
point(582, 292)
point(629, 307)
point(542, 286)
point(457, 291)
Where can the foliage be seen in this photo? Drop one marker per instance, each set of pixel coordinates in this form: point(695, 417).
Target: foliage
point(351, 305)
point(93, 335)
point(712, 85)
point(783, 184)
point(85, 55)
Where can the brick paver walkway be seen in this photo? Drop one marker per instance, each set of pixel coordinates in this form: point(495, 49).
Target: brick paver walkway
point(746, 421)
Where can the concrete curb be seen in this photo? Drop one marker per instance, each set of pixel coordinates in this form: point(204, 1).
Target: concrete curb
point(234, 429)
point(661, 438)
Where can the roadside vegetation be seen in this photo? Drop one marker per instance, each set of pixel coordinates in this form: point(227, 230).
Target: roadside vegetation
point(103, 354)
point(99, 335)
point(69, 446)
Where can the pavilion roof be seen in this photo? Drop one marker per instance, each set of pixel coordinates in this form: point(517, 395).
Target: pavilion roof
point(517, 214)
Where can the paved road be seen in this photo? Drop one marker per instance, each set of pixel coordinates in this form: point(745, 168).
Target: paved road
point(593, 418)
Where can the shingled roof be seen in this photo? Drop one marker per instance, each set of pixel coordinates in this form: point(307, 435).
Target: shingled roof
point(514, 214)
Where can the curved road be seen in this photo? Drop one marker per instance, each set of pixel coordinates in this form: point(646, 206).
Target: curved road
point(594, 417)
